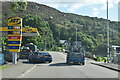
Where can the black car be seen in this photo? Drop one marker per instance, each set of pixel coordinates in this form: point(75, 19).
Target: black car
point(40, 57)
point(24, 53)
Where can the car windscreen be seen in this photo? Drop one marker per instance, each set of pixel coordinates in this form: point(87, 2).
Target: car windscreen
point(32, 47)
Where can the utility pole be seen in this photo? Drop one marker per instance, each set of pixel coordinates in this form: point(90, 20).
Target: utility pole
point(76, 35)
point(76, 40)
point(108, 40)
point(59, 34)
point(45, 44)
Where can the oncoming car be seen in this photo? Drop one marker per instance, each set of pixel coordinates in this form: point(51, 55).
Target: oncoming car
point(40, 57)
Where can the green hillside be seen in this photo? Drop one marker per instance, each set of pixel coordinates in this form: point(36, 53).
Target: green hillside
point(54, 25)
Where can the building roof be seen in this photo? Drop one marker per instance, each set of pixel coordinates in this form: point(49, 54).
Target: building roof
point(63, 41)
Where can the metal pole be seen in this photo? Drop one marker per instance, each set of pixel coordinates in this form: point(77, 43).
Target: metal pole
point(108, 45)
point(45, 39)
point(76, 40)
point(76, 35)
point(45, 44)
point(59, 34)
point(14, 57)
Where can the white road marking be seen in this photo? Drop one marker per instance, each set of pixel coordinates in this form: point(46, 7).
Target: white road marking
point(28, 71)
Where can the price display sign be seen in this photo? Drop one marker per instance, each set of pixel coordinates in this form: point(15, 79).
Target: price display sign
point(14, 34)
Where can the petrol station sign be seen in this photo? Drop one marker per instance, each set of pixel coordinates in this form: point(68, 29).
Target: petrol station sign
point(14, 34)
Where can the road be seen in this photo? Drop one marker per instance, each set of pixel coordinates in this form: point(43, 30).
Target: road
point(59, 69)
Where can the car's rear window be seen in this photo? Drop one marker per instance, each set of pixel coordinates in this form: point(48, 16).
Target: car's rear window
point(76, 54)
point(44, 53)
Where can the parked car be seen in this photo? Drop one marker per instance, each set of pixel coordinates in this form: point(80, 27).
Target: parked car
point(40, 57)
point(75, 58)
point(8, 56)
point(24, 53)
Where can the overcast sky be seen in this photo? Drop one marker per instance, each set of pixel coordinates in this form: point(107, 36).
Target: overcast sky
point(93, 8)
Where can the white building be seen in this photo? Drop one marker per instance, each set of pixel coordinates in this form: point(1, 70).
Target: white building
point(116, 54)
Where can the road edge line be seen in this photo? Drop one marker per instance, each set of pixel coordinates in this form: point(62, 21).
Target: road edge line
point(28, 71)
point(106, 67)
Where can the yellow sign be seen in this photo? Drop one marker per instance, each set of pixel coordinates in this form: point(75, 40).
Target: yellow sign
point(14, 44)
point(25, 31)
point(14, 50)
point(15, 21)
point(3, 28)
point(30, 30)
point(14, 34)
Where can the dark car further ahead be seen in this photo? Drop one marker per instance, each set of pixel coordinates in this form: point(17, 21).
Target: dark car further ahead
point(40, 57)
point(24, 53)
point(75, 58)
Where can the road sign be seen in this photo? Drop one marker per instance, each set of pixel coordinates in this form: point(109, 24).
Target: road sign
point(14, 34)
point(25, 31)
point(30, 32)
point(15, 21)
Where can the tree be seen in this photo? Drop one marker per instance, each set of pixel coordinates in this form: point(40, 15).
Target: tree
point(18, 5)
point(87, 41)
point(101, 50)
point(46, 35)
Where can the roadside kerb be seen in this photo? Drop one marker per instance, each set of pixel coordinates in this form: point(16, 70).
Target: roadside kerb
point(106, 66)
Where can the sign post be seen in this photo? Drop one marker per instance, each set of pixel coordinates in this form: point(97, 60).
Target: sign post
point(14, 36)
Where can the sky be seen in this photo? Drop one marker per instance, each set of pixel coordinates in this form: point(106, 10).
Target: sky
point(92, 8)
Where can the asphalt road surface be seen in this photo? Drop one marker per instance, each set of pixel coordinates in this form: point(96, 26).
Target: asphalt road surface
point(59, 69)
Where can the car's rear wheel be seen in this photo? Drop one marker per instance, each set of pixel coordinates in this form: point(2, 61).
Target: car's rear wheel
point(50, 61)
point(83, 63)
point(67, 62)
point(30, 61)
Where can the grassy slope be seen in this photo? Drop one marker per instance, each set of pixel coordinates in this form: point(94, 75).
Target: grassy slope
point(3, 67)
